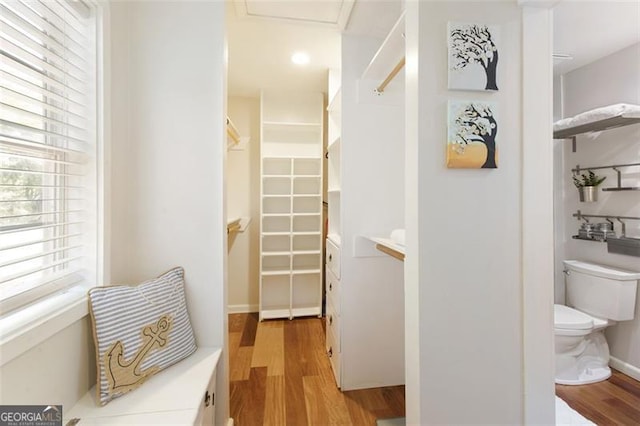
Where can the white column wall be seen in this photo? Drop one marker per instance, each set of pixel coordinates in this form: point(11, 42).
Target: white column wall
point(464, 231)
point(168, 153)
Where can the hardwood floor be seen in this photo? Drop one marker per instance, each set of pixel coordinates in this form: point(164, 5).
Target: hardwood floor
point(280, 375)
point(615, 401)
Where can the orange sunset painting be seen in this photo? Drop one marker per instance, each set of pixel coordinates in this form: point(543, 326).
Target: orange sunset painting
point(472, 132)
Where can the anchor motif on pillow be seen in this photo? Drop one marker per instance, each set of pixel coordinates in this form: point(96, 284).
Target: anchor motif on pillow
point(124, 375)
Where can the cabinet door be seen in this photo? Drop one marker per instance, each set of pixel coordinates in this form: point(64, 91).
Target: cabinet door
point(207, 411)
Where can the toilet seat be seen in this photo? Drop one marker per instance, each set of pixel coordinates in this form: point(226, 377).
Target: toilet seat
point(567, 318)
point(571, 322)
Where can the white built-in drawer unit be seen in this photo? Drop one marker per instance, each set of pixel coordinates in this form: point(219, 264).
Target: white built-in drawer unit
point(333, 290)
point(333, 258)
point(334, 355)
point(332, 319)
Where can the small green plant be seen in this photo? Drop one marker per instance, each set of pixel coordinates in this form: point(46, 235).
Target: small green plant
point(590, 179)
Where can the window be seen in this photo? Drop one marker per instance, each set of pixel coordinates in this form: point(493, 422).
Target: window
point(47, 148)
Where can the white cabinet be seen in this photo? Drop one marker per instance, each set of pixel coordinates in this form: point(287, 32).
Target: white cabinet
point(183, 394)
point(291, 206)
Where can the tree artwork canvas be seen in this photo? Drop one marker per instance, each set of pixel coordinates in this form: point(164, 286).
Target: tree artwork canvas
point(473, 127)
point(473, 56)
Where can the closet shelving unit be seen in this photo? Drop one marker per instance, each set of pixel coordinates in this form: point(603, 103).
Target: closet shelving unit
point(291, 206)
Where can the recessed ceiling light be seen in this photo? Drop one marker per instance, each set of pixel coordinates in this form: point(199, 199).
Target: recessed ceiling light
point(300, 58)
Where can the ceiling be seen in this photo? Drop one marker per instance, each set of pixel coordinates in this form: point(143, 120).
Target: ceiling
point(590, 30)
point(263, 34)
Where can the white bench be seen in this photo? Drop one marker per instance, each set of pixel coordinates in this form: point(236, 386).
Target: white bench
point(183, 394)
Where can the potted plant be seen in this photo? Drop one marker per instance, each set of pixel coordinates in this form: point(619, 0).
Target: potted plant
point(587, 185)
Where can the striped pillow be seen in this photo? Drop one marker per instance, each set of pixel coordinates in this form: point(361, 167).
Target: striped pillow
point(138, 331)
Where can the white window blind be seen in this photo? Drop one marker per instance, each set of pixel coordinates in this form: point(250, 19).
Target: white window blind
point(47, 148)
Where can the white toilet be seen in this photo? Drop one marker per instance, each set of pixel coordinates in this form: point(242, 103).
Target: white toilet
point(597, 296)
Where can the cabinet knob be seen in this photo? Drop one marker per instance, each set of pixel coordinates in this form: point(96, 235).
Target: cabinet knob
point(207, 399)
point(330, 352)
point(330, 286)
point(330, 319)
point(330, 257)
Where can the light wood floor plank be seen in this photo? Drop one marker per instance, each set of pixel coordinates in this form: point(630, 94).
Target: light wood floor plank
point(249, 330)
point(294, 389)
point(268, 350)
point(317, 412)
point(275, 413)
point(241, 367)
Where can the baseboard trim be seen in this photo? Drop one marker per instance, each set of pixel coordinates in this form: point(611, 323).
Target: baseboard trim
point(230, 421)
point(623, 367)
point(241, 309)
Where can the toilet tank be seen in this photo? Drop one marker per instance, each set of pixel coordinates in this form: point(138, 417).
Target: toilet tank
point(602, 291)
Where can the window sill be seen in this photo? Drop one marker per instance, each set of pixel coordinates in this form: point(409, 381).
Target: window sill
point(25, 328)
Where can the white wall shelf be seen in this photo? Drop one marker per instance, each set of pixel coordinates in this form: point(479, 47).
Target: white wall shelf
point(391, 51)
point(291, 206)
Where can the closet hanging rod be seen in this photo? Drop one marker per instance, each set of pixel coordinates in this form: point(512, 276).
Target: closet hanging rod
point(578, 168)
point(232, 131)
point(580, 215)
point(391, 76)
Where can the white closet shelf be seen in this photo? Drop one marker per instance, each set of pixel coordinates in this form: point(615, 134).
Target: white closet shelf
point(303, 233)
point(389, 247)
point(276, 214)
point(275, 253)
point(275, 313)
point(307, 177)
point(333, 190)
point(306, 214)
point(276, 196)
point(305, 312)
point(276, 234)
point(275, 272)
point(306, 251)
point(335, 104)
point(306, 195)
point(289, 124)
point(305, 271)
point(391, 51)
point(334, 143)
point(285, 176)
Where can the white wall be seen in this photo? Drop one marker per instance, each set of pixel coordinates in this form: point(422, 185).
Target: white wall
point(57, 371)
point(610, 80)
point(168, 153)
point(372, 204)
point(243, 200)
point(464, 230)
